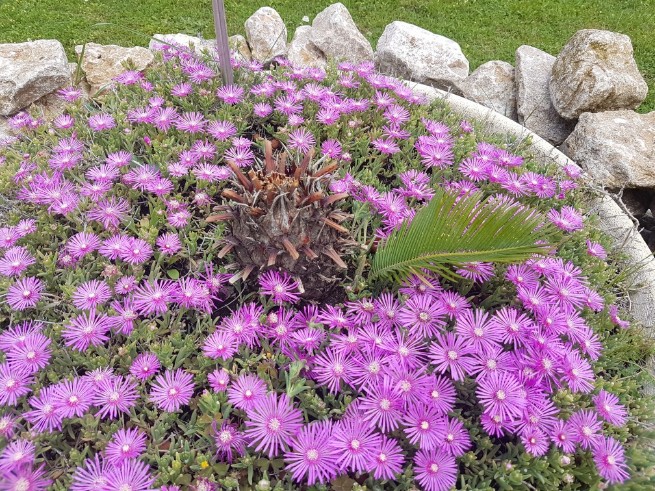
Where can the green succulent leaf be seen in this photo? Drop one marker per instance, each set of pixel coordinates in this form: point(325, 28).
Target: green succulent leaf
point(452, 230)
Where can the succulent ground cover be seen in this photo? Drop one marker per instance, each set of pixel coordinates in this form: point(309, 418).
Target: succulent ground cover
point(240, 286)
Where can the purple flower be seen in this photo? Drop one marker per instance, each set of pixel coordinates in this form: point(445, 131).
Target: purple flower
point(219, 380)
point(610, 460)
point(246, 391)
point(230, 94)
point(110, 212)
point(145, 366)
point(585, 428)
point(25, 477)
point(182, 90)
point(355, 441)
point(89, 295)
point(133, 475)
point(25, 293)
point(608, 407)
point(452, 353)
point(220, 344)
point(422, 316)
point(14, 383)
point(101, 122)
point(387, 146)
point(81, 244)
point(125, 445)
point(561, 436)
point(88, 329)
point(115, 395)
point(69, 94)
point(423, 426)
point(535, 441)
point(271, 424)
point(172, 390)
point(567, 219)
point(17, 454)
point(32, 354)
point(280, 286)
point(15, 261)
point(435, 470)
point(44, 416)
point(382, 405)
point(153, 298)
point(331, 368)
point(500, 393)
point(229, 441)
point(301, 140)
point(312, 459)
point(92, 475)
point(222, 130)
point(73, 398)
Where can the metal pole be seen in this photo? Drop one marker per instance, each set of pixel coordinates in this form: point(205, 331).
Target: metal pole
point(222, 47)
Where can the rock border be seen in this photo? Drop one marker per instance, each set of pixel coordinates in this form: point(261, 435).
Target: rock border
point(639, 260)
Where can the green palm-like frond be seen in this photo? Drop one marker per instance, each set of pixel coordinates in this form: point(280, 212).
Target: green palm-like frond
point(450, 231)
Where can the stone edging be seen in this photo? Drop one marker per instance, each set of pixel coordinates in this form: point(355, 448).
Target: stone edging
point(640, 261)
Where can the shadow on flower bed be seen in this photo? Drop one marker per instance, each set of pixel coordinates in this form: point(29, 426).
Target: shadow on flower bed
point(163, 321)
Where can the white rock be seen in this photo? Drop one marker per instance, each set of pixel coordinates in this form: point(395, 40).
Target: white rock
point(199, 45)
point(28, 71)
point(336, 35)
point(410, 52)
point(239, 46)
point(266, 34)
point(102, 63)
point(596, 71)
point(534, 108)
point(302, 52)
point(617, 148)
point(492, 84)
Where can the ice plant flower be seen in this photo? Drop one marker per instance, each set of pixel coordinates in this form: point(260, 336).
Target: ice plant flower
point(25, 293)
point(280, 286)
point(145, 366)
point(435, 470)
point(125, 445)
point(312, 459)
point(172, 389)
point(272, 422)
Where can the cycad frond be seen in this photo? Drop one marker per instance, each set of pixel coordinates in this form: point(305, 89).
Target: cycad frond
point(450, 231)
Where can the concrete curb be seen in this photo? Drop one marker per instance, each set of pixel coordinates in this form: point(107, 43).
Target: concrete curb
point(640, 262)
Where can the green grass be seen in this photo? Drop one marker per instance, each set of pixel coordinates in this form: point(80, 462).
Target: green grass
point(486, 29)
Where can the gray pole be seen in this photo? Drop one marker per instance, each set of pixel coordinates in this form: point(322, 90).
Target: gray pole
point(222, 47)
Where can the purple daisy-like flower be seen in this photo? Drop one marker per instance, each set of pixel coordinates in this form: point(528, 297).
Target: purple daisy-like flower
point(91, 475)
point(115, 395)
point(585, 428)
point(245, 392)
point(608, 407)
point(385, 146)
point(17, 454)
point(500, 393)
point(15, 261)
point(169, 244)
point(272, 422)
point(382, 405)
point(25, 478)
point(88, 329)
point(14, 383)
point(561, 436)
point(32, 354)
point(301, 140)
point(220, 344)
point(73, 398)
point(354, 441)
point(153, 298)
point(423, 426)
point(110, 212)
point(422, 316)
point(610, 460)
point(222, 130)
point(312, 459)
point(133, 475)
point(219, 380)
point(125, 445)
point(135, 251)
point(81, 244)
point(230, 442)
point(89, 295)
point(450, 352)
point(331, 368)
point(25, 293)
point(15, 336)
point(435, 470)
point(172, 390)
point(387, 460)
point(191, 122)
point(280, 286)
point(535, 441)
point(596, 250)
point(456, 440)
point(101, 122)
point(44, 415)
point(230, 94)
point(145, 366)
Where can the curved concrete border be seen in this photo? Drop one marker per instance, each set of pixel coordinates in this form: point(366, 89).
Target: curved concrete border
point(639, 263)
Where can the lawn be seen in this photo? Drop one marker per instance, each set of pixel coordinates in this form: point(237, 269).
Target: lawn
point(486, 29)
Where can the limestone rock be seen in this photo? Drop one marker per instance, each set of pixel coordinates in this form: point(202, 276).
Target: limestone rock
point(28, 71)
point(198, 45)
point(534, 108)
point(102, 63)
point(334, 32)
point(410, 52)
point(302, 52)
point(266, 34)
point(596, 72)
point(5, 131)
point(617, 148)
point(492, 84)
point(239, 46)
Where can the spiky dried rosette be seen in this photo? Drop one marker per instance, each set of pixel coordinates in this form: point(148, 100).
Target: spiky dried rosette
point(281, 214)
